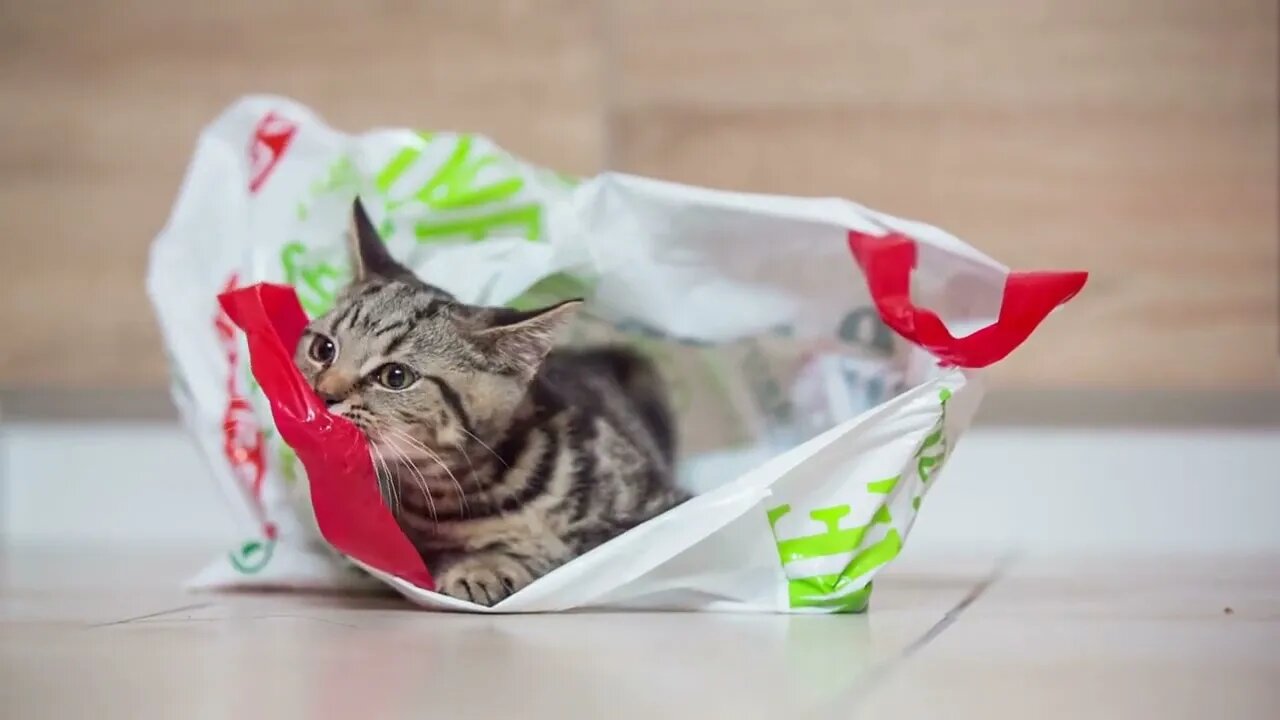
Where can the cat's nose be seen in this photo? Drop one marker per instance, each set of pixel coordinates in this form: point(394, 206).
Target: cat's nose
point(333, 387)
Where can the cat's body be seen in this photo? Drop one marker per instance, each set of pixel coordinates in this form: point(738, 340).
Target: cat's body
point(577, 466)
point(500, 457)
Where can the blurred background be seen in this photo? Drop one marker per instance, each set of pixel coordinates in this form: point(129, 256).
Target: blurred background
point(1137, 139)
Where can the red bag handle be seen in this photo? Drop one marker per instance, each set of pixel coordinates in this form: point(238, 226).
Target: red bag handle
point(1029, 297)
point(344, 488)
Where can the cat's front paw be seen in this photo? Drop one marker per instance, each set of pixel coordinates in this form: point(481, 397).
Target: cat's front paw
point(485, 578)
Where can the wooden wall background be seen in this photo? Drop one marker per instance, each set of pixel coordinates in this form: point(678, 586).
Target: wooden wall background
point(1134, 138)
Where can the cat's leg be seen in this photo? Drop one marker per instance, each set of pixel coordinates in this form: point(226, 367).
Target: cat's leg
point(486, 577)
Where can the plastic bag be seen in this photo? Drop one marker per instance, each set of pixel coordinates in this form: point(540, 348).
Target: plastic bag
point(773, 319)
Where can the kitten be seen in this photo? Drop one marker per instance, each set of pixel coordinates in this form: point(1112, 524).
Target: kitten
point(500, 457)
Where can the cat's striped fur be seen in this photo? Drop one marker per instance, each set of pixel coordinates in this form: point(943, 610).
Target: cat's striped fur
point(500, 456)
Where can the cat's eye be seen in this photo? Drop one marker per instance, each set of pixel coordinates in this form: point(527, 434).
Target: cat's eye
point(322, 350)
point(395, 376)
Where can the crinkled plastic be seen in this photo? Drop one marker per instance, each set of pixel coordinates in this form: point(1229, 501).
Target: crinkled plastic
point(344, 490)
point(812, 435)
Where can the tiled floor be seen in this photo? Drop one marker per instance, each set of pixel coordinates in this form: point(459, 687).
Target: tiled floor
point(106, 634)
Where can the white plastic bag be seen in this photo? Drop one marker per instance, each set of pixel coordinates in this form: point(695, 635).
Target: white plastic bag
point(809, 454)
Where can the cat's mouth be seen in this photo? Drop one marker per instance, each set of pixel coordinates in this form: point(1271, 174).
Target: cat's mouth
point(363, 422)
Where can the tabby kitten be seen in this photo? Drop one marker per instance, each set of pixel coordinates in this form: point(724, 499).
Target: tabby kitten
point(500, 457)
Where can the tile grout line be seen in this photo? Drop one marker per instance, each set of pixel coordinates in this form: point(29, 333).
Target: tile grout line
point(151, 616)
point(868, 682)
point(1001, 568)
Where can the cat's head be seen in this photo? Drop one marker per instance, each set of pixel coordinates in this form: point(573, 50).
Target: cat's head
point(407, 363)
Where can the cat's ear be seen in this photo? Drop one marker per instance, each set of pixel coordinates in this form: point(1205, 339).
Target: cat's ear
point(368, 253)
point(520, 339)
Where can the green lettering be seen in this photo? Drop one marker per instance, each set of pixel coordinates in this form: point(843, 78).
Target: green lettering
point(816, 591)
point(317, 284)
point(882, 516)
point(341, 174)
point(875, 556)
point(927, 465)
point(884, 487)
point(933, 439)
point(775, 514)
point(455, 185)
point(252, 556)
point(833, 541)
point(394, 169)
point(527, 220)
point(824, 591)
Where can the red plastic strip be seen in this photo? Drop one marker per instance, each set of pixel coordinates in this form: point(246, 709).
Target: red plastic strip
point(344, 490)
point(1029, 297)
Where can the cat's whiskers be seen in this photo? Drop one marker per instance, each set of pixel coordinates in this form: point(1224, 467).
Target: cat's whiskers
point(377, 474)
point(394, 485)
point(486, 447)
point(388, 487)
point(387, 484)
point(416, 445)
point(483, 488)
point(418, 479)
point(471, 466)
point(475, 477)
